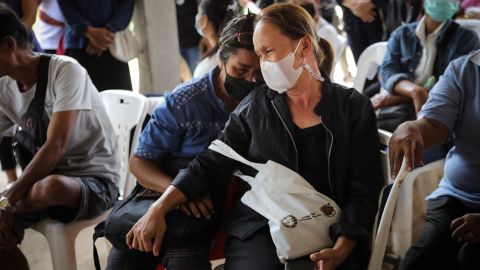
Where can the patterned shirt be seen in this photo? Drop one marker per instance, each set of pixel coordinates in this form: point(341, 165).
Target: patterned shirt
point(186, 124)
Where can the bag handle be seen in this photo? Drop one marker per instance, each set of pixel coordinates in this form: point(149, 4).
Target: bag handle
point(38, 102)
point(222, 148)
point(380, 242)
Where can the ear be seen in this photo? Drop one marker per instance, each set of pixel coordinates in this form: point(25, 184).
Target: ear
point(306, 46)
point(10, 43)
point(202, 21)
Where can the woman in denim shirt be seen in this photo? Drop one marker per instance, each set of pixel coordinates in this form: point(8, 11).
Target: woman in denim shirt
point(183, 127)
point(417, 55)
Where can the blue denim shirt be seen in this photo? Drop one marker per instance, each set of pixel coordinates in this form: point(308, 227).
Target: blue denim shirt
point(455, 102)
point(405, 50)
point(114, 15)
point(186, 124)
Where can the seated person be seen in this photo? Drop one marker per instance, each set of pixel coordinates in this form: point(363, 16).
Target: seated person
point(73, 175)
point(451, 236)
point(300, 119)
point(181, 128)
point(417, 54)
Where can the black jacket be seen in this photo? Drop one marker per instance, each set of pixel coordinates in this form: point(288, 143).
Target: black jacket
point(261, 129)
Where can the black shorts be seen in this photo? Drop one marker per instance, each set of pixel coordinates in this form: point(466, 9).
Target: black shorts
point(97, 196)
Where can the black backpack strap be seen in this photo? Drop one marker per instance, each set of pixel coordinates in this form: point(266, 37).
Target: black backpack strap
point(38, 102)
point(99, 231)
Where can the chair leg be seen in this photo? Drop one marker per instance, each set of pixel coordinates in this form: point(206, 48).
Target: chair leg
point(62, 248)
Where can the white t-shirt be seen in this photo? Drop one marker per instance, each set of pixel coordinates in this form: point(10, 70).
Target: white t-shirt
point(48, 35)
point(206, 65)
point(92, 147)
point(327, 31)
point(429, 53)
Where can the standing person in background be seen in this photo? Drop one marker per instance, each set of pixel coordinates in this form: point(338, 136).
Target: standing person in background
point(211, 18)
point(92, 25)
point(50, 28)
point(362, 24)
point(188, 37)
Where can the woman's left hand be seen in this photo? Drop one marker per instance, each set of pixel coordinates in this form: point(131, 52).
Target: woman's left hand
point(332, 258)
point(327, 259)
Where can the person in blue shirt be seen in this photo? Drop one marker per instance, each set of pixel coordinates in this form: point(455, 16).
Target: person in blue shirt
point(91, 28)
point(451, 236)
point(183, 127)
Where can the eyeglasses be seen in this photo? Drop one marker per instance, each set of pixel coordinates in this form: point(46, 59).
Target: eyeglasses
point(243, 38)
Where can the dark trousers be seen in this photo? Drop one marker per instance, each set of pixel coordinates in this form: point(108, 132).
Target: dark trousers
point(360, 35)
point(436, 249)
point(257, 252)
point(105, 71)
point(194, 256)
point(6, 154)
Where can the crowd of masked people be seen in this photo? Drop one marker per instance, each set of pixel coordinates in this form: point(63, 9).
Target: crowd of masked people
point(261, 83)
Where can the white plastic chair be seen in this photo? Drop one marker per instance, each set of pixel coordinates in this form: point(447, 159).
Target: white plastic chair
point(472, 24)
point(126, 110)
point(368, 64)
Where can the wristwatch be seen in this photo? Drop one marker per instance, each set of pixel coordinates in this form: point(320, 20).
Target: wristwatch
point(5, 204)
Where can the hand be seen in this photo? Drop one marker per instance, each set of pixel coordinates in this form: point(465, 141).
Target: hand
point(198, 208)
point(467, 228)
point(406, 141)
point(328, 259)
point(147, 234)
point(99, 37)
point(7, 240)
point(93, 50)
point(419, 97)
point(382, 100)
point(331, 258)
point(364, 10)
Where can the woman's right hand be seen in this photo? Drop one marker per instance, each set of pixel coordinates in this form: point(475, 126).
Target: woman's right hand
point(147, 234)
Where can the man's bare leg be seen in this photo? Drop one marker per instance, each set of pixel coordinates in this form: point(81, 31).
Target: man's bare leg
point(53, 190)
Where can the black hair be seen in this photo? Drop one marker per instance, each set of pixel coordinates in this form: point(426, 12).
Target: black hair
point(11, 25)
point(310, 8)
point(229, 43)
point(327, 64)
point(218, 13)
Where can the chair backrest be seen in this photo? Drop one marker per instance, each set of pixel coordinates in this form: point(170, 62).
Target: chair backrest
point(368, 64)
point(126, 111)
point(384, 141)
point(472, 24)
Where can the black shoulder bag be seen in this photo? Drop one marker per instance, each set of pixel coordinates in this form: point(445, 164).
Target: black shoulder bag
point(31, 133)
point(180, 227)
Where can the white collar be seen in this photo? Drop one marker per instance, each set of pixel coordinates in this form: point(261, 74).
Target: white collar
point(420, 31)
point(476, 58)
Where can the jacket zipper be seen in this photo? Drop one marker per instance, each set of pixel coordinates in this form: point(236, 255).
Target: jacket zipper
point(329, 154)
point(291, 137)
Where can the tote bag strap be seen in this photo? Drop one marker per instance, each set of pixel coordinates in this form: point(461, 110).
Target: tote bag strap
point(222, 148)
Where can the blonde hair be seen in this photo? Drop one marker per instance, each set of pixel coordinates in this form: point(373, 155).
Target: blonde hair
point(294, 22)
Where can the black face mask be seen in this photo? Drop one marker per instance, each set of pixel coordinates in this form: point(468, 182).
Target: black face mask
point(237, 88)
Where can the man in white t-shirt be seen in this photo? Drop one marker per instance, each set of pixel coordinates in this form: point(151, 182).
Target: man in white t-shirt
point(73, 175)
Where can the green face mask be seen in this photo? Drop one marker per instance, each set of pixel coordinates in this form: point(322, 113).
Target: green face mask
point(441, 10)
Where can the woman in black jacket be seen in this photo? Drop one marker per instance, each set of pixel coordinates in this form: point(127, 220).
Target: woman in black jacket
point(325, 132)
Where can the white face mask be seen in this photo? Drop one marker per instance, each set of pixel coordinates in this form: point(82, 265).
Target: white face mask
point(281, 76)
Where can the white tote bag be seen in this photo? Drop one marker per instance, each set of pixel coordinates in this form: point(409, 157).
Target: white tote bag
point(298, 215)
point(128, 44)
